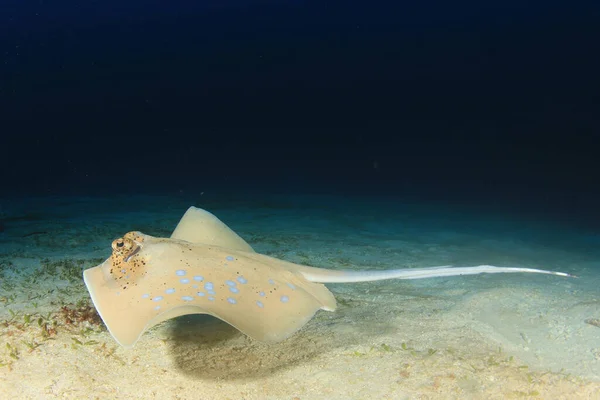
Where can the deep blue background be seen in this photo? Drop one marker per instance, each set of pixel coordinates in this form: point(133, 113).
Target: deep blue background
point(488, 100)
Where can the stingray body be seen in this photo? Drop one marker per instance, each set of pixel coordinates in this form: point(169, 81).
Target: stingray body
point(206, 268)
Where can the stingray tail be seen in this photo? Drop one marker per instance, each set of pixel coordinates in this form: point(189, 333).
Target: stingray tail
point(329, 276)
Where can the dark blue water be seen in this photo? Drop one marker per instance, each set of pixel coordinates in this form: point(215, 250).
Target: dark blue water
point(484, 104)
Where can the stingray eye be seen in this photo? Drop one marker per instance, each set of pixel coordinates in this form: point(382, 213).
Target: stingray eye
point(118, 244)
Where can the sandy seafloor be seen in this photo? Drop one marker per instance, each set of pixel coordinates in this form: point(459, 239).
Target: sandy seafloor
point(485, 336)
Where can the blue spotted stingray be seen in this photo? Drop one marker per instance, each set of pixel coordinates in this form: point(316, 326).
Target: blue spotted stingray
point(206, 268)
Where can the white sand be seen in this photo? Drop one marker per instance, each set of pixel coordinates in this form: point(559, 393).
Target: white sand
point(494, 337)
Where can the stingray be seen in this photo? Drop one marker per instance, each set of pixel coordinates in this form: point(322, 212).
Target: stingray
point(206, 268)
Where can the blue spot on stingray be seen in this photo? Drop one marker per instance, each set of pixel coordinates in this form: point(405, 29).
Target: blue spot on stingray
point(209, 286)
point(157, 308)
point(184, 280)
point(211, 298)
point(157, 298)
point(195, 286)
point(261, 294)
point(123, 270)
point(126, 276)
point(231, 300)
point(260, 304)
point(241, 279)
point(145, 296)
point(201, 294)
point(271, 281)
point(291, 286)
point(230, 283)
point(229, 258)
point(234, 290)
point(198, 278)
point(187, 298)
point(211, 292)
point(180, 272)
point(284, 299)
point(170, 291)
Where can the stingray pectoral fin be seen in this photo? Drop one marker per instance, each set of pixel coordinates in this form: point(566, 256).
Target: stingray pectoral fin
point(125, 312)
point(340, 276)
point(118, 314)
point(200, 226)
point(276, 316)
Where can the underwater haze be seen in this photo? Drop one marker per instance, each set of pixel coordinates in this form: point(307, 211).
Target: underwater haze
point(354, 136)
